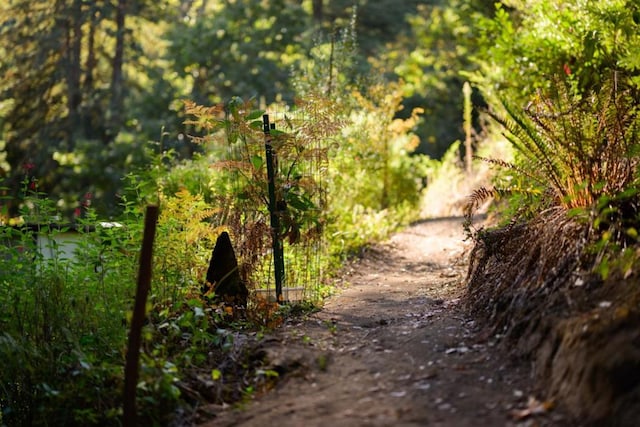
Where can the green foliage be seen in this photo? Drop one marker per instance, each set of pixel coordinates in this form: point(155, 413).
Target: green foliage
point(333, 65)
point(63, 118)
point(576, 152)
point(64, 310)
point(233, 48)
point(43, 62)
point(185, 233)
point(374, 162)
point(577, 138)
point(432, 62)
point(528, 46)
point(236, 141)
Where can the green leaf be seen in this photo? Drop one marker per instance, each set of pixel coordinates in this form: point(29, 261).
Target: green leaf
point(603, 268)
point(299, 202)
point(276, 132)
point(257, 161)
point(216, 374)
point(576, 212)
point(255, 114)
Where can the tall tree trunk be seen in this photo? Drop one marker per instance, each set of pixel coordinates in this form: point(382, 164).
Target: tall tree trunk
point(203, 8)
point(317, 7)
point(74, 69)
point(91, 61)
point(185, 8)
point(89, 119)
point(468, 156)
point(116, 78)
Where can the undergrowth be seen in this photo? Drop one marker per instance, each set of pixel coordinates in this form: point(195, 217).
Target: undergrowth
point(554, 277)
point(65, 310)
point(578, 153)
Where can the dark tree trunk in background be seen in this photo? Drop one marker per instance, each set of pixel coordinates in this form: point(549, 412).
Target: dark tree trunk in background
point(203, 7)
point(89, 112)
point(116, 78)
point(74, 69)
point(317, 10)
point(90, 65)
point(185, 7)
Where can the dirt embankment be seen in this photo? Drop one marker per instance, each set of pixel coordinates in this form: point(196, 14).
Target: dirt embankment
point(533, 283)
point(393, 348)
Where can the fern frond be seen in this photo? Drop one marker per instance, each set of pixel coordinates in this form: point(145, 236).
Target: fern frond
point(477, 197)
point(232, 165)
point(529, 134)
point(525, 137)
point(201, 215)
point(510, 166)
point(191, 108)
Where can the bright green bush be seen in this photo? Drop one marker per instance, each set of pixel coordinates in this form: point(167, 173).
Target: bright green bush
point(64, 319)
point(562, 81)
point(374, 181)
point(532, 44)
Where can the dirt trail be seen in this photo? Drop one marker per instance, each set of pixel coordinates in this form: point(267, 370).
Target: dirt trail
point(393, 349)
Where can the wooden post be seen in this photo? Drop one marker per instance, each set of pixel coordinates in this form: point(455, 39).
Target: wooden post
point(278, 251)
point(137, 321)
point(466, 91)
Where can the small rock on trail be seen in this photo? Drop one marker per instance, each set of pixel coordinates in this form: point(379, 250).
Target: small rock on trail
point(394, 349)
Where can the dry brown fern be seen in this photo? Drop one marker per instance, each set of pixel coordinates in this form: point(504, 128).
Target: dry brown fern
point(477, 197)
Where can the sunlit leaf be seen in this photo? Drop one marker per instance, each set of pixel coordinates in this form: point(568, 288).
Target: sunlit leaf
point(257, 161)
point(216, 374)
point(255, 114)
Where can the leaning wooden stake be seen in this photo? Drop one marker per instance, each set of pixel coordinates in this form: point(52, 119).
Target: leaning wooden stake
point(466, 91)
point(137, 321)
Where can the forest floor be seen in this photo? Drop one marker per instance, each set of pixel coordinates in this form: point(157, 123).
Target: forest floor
point(393, 348)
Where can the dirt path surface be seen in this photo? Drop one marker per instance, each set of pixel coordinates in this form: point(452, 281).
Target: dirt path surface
point(393, 349)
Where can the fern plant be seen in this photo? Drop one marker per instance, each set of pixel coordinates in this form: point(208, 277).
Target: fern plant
point(573, 151)
point(186, 229)
point(234, 138)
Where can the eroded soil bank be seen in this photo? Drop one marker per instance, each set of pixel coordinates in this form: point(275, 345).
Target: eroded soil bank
point(534, 283)
point(393, 348)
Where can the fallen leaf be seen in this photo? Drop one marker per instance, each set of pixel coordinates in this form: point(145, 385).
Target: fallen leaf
point(534, 407)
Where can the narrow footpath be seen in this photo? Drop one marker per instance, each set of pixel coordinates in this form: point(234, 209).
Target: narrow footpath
point(393, 348)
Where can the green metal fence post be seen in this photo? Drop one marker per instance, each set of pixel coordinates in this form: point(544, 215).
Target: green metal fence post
point(278, 251)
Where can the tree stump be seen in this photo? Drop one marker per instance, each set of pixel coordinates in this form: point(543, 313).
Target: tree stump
point(223, 276)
